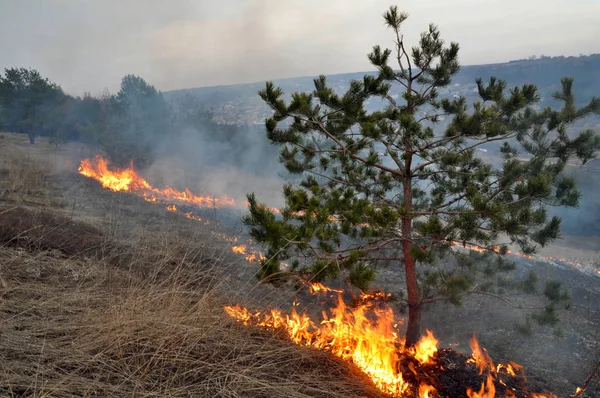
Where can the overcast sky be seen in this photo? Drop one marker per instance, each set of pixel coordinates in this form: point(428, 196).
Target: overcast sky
point(88, 45)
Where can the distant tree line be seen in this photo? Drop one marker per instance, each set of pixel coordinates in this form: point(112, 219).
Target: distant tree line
point(134, 124)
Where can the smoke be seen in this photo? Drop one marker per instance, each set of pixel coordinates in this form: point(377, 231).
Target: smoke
point(202, 160)
point(583, 220)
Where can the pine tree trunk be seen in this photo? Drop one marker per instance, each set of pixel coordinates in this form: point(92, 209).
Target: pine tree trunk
point(412, 287)
point(412, 290)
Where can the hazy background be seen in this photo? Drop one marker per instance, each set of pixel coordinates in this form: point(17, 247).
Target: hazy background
point(90, 45)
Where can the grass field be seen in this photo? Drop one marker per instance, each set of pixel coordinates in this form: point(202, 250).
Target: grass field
point(103, 294)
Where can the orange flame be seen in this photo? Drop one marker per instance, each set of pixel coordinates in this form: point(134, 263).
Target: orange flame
point(240, 249)
point(367, 336)
point(480, 356)
point(316, 287)
point(369, 339)
point(254, 257)
point(487, 390)
point(233, 239)
point(196, 218)
point(425, 391)
point(426, 348)
point(129, 180)
point(373, 345)
point(251, 256)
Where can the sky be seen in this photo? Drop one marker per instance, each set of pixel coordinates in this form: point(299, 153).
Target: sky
point(89, 45)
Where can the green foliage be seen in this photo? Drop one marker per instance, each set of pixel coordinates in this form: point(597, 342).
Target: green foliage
point(138, 123)
point(387, 186)
point(28, 101)
point(129, 126)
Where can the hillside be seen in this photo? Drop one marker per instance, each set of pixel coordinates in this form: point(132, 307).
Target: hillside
point(107, 294)
point(103, 294)
point(240, 104)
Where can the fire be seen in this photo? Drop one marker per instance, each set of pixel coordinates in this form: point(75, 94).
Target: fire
point(254, 257)
point(483, 362)
point(426, 348)
point(368, 338)
point(548, 259)
point(196, 218)
point(316, 287)
point(486, 391)
point(365, 334)
point(370, 298)
point(128, 180)
point(426, 390)
point(371, 342)
point(251, 256)
point(240, 249)
point(480, 356)
point(510, 368)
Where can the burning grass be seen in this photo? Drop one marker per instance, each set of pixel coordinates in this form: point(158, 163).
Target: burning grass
point(73, 322)
point(367, 336)
point(77, 326)
point(128, 180)
point(144, 339)
point(76, 323)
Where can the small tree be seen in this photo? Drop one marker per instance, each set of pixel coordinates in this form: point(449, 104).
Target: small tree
point(404, 192)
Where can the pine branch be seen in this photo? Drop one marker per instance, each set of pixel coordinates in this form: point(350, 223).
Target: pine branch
point(353, 156)
point(582, 389)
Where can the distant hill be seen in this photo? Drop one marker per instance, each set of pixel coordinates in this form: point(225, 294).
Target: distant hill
point(240, 104)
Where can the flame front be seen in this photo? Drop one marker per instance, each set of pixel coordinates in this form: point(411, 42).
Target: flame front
point(368, 338)
point(128, 180)
point(365, 335)
point(370, 342)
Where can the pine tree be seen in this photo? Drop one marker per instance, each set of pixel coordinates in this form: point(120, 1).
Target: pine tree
point(385, 186)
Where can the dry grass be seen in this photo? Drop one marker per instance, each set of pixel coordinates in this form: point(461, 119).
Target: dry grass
point(22, 174)
point(109, 296)
point(37, 230)
point(82, 328)
point(75, 322)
